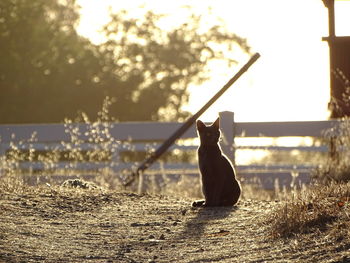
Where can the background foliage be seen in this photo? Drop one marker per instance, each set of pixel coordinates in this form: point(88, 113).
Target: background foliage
point(48, 72)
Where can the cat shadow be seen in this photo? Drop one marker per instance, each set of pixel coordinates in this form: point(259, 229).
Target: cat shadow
point(195, 226)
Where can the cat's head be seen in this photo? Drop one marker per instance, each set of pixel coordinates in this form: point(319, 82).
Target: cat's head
point(208, 135)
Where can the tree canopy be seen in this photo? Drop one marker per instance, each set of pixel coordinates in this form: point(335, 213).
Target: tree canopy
point(49, 72)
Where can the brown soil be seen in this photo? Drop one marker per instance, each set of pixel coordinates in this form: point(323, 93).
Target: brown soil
point(92, 226)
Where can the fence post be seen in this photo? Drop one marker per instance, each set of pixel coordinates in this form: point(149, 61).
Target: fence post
point(227, 134)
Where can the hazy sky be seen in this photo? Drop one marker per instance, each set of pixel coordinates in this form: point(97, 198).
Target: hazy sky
point(291, 79)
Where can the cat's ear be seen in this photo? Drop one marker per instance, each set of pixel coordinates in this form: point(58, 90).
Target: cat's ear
point(200, 125)
point(216, 123)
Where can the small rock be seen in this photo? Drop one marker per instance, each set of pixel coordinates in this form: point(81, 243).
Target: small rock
point(78, 183)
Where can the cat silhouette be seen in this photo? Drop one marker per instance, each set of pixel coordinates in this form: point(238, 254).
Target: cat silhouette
point(219, 184)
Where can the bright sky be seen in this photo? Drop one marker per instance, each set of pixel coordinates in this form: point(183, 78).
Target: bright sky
point(291, 79)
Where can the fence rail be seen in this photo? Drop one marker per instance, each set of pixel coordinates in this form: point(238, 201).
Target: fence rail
point(140, 137)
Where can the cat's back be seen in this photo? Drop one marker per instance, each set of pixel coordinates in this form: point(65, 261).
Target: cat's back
point(225, 163)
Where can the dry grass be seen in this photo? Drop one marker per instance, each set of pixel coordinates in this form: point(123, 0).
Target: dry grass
point(325, 206)
point(317, 208)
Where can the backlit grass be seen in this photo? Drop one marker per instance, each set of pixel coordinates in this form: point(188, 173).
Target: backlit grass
point(316, 208)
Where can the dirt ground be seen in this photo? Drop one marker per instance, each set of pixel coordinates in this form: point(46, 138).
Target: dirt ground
point(92, 226)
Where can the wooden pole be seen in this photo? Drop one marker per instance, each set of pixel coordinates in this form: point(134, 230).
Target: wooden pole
point(177, 134)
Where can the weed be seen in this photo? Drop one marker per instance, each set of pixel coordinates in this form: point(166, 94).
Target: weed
point(90, 143)
point(337, 167)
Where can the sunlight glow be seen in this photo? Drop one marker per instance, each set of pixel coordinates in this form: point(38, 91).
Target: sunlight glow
point(291, 79)
point(342, 17)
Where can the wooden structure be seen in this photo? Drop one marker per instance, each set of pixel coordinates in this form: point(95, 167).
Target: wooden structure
point(339, 57)
point(118, 139)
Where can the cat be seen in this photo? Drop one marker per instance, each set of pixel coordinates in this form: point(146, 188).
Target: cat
point(219, 184)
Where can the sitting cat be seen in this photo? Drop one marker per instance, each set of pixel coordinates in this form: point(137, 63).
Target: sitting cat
point(219, 184)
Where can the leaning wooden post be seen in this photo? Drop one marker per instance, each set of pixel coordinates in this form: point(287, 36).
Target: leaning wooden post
point(227, 134)
point(185, 126)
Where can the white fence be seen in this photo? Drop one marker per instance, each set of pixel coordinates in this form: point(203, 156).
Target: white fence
point(121, 138)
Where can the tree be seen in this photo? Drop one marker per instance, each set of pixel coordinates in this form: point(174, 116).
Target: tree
point(45, 68)
point(49, 72)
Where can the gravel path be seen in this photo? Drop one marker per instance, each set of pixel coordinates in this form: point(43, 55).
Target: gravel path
point(77, 226)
